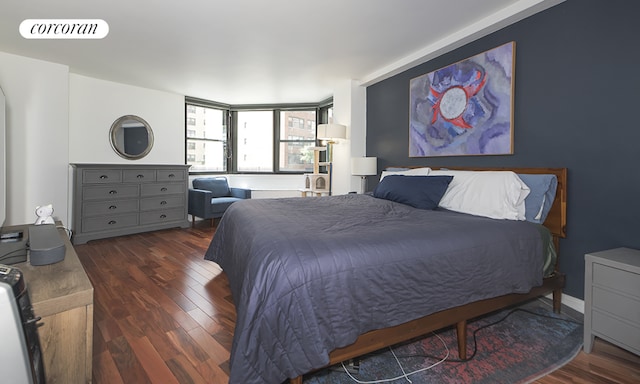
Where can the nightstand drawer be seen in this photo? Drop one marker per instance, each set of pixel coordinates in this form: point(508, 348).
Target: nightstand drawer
point(618, 279)
point(138, 175)
point(106, 223)
point(620, 331)
point(161, 216)
point(109, 207)
point(109, 192)
point(625, 307)
point(101, 176)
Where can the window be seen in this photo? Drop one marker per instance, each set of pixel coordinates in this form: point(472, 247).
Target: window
point(206, 144)
point(252, 139)
point(255, 132)
point(297, 135)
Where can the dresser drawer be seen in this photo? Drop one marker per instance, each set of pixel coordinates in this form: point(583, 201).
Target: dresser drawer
point(109, 192)
point(138, 175)
point(171, 175)
point(160, 216)
point(111, 222)
point(162, 189)
point(618, 279)
point(162, 202)
point(109, 207)
point(101, 176)
point(622, 306)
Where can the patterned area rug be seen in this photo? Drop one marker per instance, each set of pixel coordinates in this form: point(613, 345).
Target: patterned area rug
point(529, 342)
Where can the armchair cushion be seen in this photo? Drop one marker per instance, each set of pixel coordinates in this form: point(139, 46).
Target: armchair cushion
point(218, 186)
point(220, 204)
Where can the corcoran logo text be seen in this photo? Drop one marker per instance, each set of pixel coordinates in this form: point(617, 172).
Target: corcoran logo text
point(64, 29)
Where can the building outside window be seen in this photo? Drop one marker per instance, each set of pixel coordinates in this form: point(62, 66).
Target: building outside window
point(206, 143)
point(297, 135)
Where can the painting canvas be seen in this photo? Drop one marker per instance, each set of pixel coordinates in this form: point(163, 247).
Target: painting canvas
point(465, 108)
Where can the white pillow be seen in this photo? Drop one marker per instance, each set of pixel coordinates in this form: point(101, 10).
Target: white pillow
point(409, 172)
point(494, 194)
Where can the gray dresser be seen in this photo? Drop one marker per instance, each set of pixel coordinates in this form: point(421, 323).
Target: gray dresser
point(116, 199)
point(612, 298)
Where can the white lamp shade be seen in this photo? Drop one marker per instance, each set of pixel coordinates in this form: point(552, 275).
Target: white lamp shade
point(364, 166)
point(332, 131)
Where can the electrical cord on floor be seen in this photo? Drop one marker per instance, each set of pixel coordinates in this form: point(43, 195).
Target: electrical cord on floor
point(446, 359)
point(404, 375)
point(475, 343)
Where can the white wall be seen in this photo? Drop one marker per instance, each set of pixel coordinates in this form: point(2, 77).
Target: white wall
point(37, 113)
point(55, 118)
point(349, 108)
point(95, 104)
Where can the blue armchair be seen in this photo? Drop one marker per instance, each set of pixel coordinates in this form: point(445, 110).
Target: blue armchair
point(211, 196)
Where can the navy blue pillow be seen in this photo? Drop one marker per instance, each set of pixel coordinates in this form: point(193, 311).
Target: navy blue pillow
point(423, 192)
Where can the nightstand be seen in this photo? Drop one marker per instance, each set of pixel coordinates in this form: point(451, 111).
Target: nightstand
point(612, 298)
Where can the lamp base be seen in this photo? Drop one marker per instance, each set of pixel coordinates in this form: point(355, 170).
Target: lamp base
point(363, 184)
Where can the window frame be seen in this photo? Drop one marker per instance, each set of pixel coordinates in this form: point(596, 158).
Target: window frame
point(189, 101)
point(322, 116)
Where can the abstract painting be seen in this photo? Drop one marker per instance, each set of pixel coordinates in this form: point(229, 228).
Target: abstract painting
point(465, 108)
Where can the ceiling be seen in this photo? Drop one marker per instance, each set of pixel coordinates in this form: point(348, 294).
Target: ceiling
point(257, 51)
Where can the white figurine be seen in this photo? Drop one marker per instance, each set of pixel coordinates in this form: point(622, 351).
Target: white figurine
point(44, 213)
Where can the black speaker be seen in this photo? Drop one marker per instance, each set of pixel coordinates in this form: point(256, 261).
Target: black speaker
point(45, 245)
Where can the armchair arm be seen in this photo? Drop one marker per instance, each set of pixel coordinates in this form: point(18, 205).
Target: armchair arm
point(240, 193)
point(199, 201)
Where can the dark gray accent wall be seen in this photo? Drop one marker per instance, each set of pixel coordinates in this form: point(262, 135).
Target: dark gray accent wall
point(577, 105)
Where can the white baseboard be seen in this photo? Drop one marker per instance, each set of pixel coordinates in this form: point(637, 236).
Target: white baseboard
point(571, 302)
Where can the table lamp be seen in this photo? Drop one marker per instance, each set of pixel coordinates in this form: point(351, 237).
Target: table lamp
point(329, 133)
point(363, 167)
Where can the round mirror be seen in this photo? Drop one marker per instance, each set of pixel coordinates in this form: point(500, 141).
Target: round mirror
point(131, 137)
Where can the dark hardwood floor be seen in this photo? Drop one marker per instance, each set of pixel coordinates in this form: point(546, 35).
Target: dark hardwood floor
point(162, 314)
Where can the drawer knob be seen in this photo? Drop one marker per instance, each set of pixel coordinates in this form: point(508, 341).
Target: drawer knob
point(172, 175)
point(113, 192)
point(103, 177)
point(112, 207)
point(163, 202)
point(111, 222)
point(140, 176)
point(163, 216)
point(163, 189)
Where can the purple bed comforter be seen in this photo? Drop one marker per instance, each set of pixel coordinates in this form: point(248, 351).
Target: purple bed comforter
point(309, 275)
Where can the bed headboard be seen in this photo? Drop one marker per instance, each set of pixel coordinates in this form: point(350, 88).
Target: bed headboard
point(557, 218)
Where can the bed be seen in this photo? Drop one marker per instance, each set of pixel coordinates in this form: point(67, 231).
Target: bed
point(321, 280)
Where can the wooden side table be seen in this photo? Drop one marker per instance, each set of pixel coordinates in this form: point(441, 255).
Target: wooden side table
point(612, 298)
point(62, 295)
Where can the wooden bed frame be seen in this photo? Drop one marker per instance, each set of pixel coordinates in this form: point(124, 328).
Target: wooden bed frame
point(381, 338)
